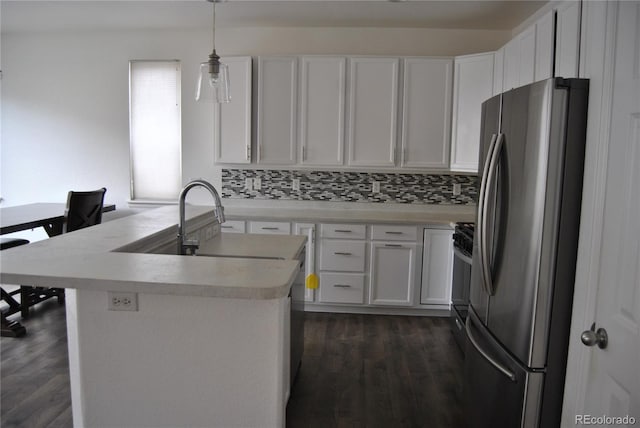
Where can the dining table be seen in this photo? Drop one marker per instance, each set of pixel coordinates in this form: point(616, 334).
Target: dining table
point(48, 215)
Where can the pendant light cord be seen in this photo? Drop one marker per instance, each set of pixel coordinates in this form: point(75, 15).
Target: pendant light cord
point(214, 25)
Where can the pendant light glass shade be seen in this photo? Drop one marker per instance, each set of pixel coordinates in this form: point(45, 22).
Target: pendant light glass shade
point(213, 87)
point(213, 79)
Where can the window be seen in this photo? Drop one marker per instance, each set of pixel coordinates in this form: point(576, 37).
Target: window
point(155, 130)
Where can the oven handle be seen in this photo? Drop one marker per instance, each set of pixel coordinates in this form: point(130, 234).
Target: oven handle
point(461, 255)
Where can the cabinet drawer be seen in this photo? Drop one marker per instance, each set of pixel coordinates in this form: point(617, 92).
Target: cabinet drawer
point(394, 233)
point(270, 227)
point(341, 288)
point(233, 226)
point(345, 256)
point(344, 231)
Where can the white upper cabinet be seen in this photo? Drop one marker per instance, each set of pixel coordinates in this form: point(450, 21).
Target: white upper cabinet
point(472, 85)
point(322, 110)
point(545, 37)
point(426, 112)
point(498, 67)
point(277, 100)
point(373, 110)
point(232, 121)
point(567, 39)
point(519, 59)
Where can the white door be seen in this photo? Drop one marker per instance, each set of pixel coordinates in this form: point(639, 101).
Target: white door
point(608, 380)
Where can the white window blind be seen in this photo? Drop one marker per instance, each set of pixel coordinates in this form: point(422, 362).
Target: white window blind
point(155, 130)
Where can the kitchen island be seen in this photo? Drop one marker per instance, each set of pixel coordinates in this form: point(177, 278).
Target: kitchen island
point(196, 341)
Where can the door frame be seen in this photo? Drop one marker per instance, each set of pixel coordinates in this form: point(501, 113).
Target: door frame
point(597, 48)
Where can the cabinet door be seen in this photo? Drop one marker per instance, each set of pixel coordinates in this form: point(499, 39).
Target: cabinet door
point(308, 230)
point(426, 112)
point(277, 93)
point(545, 36)
point(232, 121)
point(322, 101)
point(498, 71)
point(437, 265)
point(473, 84)
point(233, 226)
point(511, 76)
point(392, 273)
point(527, 48)
point(373, 101)
point(519, 59)
point(270, 227)
point(567, 39)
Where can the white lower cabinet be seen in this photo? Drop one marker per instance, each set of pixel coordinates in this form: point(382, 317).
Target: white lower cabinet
point(270, 227)
point(233, 226)
point(308, 230)
point(392, 273)
point(437, 266)
point(341, 288)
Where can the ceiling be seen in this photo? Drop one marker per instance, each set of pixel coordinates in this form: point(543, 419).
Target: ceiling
point(21, 15)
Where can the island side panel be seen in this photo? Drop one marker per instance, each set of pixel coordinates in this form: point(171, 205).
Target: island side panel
point(178, 361)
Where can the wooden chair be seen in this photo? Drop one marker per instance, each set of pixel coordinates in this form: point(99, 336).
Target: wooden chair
point(83, 209)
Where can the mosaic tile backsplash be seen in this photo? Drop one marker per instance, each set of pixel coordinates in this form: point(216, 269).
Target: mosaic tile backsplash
point(341, 186)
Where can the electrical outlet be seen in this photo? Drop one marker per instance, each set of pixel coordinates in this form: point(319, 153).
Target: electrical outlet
point(248, 184)
point(257, 183)
point(457, 189)
point(295, 184)
point(375, 188)
point(122, 301)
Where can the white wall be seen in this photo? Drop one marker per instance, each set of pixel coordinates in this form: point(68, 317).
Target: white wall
point(65, 95)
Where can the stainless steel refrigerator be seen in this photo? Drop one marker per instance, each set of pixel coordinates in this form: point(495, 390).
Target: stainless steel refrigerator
point(525, 244)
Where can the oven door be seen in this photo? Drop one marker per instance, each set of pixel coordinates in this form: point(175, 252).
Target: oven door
point(460, 295)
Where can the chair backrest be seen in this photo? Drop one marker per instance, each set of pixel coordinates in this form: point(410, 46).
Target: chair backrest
point(84, 209)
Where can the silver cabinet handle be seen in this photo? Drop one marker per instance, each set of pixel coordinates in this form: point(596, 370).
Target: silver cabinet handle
point(393, 245)
point(340, 253)
point(341, 285)
point(393, 233)
point(226, 227)
point(249, 152)
point(269, 228)
point(505, 371)
point(343, 230)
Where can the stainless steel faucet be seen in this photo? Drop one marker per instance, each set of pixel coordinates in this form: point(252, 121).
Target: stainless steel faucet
point(191, 245)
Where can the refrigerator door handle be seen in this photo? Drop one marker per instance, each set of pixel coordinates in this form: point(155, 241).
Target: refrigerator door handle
point(485, 267)
point(502, 369)
point(482, 202)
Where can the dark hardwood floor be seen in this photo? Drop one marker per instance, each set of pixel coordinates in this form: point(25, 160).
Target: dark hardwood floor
point(34, 370)
point(357, 371)
point(377, 371)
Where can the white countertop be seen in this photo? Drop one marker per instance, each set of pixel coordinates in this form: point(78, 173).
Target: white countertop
point(339, 212)
point(85, 259)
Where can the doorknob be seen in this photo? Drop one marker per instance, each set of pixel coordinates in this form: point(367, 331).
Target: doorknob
point(593, 337)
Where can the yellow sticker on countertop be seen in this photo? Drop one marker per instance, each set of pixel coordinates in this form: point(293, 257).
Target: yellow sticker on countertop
point(312, 281)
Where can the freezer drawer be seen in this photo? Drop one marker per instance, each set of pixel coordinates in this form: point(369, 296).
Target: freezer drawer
point(499, 392)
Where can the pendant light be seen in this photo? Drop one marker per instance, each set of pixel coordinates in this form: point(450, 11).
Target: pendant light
point(213, 81)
